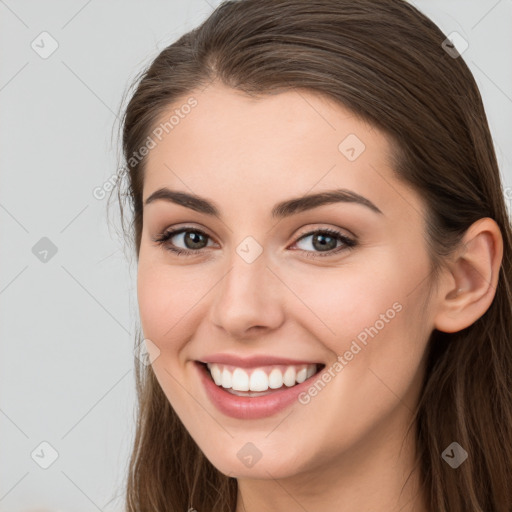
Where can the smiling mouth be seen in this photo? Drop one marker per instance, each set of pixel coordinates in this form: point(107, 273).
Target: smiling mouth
point(259, 381)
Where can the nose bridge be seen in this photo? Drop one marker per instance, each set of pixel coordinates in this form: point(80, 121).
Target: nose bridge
point(247, 295)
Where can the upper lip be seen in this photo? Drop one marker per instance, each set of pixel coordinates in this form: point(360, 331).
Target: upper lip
point(253, 361)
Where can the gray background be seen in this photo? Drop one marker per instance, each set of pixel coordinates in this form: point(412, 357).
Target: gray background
point(68, 321)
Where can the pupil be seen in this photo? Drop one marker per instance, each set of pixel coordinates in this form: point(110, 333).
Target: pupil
point(194, 238)
point(322, 243)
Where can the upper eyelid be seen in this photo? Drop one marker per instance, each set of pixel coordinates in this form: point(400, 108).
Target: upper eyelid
point(306, 230)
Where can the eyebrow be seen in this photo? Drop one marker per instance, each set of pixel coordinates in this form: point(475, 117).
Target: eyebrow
point(280, 210)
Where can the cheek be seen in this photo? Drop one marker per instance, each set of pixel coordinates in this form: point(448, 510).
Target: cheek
point(366, 312)
point(151, 296)
point(172, 303)
point(342, 302)
point(164, 298)
point(166, 301)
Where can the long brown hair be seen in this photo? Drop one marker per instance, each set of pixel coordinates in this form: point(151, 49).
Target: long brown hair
point(385, 61)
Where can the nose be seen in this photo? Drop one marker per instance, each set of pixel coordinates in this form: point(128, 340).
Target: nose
point(247, 302)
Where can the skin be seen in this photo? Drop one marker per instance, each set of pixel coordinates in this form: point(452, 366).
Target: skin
point(348, 448)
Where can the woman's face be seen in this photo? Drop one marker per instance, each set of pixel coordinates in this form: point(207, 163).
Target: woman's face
point(268, 296)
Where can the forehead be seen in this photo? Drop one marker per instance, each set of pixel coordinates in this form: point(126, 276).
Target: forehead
point(236, 148)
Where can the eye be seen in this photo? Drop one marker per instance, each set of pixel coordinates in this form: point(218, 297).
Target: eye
point(193, 239)
point(323, 243)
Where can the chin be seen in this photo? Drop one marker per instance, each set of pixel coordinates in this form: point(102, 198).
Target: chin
point(245, 460)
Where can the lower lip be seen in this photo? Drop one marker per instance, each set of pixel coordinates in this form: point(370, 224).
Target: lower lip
point(250, 408)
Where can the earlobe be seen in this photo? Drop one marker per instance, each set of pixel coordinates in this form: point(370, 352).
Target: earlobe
point(469, 287)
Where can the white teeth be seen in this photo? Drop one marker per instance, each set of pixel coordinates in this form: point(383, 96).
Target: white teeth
point(289, 376)
point(240, 380)
point(275, 379)
point(311, 371)
point(226, 379)
point(260, 379)
point(301, 375)
point(216, 374)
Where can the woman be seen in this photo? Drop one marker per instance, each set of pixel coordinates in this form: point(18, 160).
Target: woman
point(323, 268)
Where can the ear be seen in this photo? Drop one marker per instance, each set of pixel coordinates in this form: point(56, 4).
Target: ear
point(468, 288)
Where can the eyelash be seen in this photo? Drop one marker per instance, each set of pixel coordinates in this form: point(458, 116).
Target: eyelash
point(349, 243)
